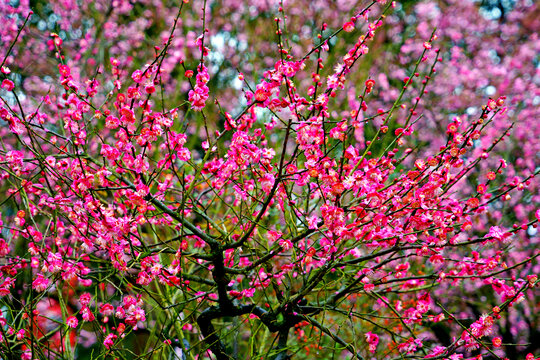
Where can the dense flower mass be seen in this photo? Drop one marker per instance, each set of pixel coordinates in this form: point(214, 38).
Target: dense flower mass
point(260, 179)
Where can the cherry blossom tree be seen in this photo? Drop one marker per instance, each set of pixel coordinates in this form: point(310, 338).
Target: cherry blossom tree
point(307, 179)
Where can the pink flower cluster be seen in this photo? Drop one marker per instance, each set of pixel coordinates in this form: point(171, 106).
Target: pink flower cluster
point(199, 94)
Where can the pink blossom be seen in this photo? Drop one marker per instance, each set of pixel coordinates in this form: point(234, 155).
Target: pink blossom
point(372, 340)
point(72, 322)
point(497, 233)
point(109, 340)
point(7, 85)
point(40, 283)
